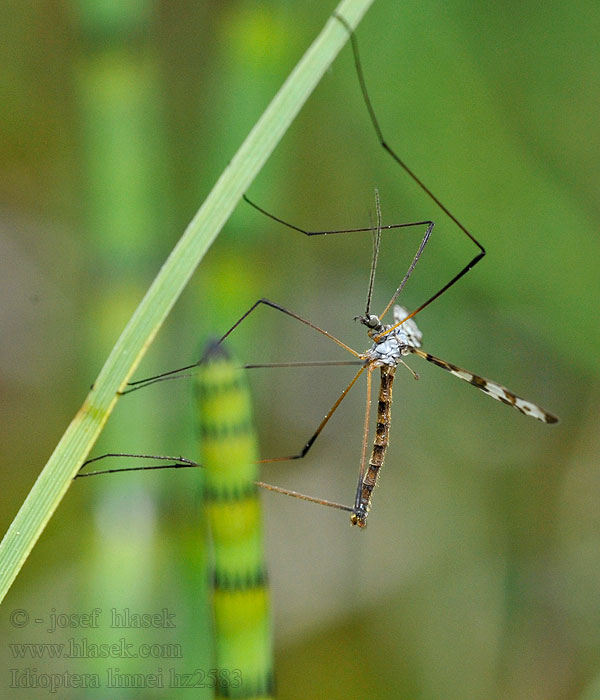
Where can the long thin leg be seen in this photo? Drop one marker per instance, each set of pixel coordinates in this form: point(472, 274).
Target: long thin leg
point(141, 383)
point(318, 363)
point(327, 233)
point(363, 455)
point(177, 463)
point(184, 463)
point(408, 171)
point(271, 365)
point(264, 365)
point(304, 497)
point(273, 305)
point(310, 442)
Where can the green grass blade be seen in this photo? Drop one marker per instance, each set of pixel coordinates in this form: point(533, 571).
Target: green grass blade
point(83, 431)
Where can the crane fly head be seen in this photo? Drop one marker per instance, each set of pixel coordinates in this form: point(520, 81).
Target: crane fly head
point(371, 321)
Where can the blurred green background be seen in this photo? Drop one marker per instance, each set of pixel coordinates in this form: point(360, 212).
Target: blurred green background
point(479, 574)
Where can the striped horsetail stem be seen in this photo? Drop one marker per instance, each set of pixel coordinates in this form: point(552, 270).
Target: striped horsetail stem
point(228, 451)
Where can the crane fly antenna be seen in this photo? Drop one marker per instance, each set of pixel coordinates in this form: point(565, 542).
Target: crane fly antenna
point(376, 247)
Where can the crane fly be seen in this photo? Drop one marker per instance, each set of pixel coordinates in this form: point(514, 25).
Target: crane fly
point(390, 344)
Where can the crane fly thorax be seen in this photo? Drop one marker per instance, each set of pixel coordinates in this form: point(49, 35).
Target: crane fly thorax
point(388, 349)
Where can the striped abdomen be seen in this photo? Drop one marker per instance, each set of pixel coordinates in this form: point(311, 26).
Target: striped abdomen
point(368, 480)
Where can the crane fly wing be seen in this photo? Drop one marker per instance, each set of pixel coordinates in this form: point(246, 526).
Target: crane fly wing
point(496, 391)
point(414, 335)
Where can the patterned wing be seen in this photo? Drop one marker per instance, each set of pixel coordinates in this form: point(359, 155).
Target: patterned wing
point(414, 335)
point(496, 391)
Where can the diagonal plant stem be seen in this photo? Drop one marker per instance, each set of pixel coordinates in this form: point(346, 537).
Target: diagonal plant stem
point(87, 424)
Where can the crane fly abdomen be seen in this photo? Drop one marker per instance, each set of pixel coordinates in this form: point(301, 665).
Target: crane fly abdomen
point(368, 482)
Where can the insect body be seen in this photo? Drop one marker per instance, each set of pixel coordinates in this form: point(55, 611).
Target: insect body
point(386, 353)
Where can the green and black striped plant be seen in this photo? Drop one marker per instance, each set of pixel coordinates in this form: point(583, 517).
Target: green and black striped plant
point(228, 459)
